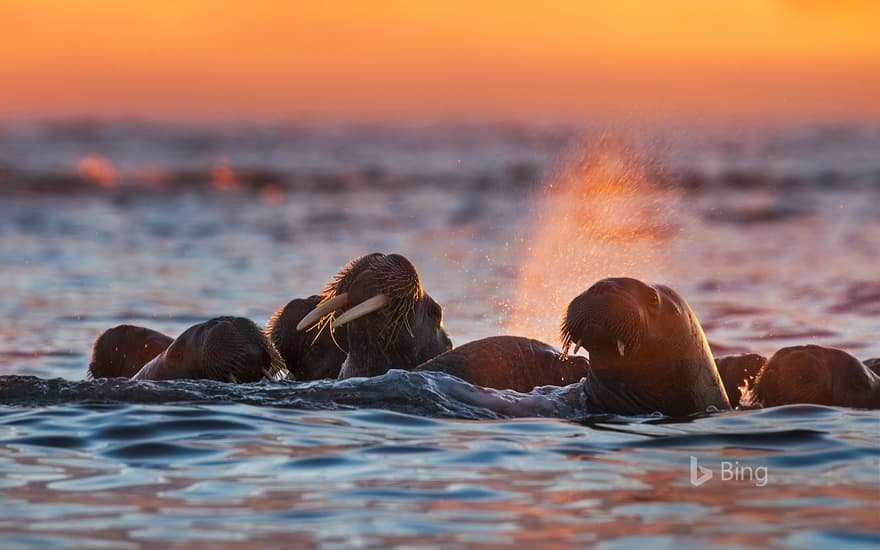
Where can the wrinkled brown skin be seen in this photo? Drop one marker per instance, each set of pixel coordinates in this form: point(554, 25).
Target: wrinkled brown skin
point(739, 370)
point(405, 334)
point(228, 349)
point(817, 375)
point(509, 362)
point(121, 351)
point(308, 357)
point(667, 365)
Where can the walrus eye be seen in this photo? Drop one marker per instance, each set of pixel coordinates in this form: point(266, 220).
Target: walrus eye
point(435, 311)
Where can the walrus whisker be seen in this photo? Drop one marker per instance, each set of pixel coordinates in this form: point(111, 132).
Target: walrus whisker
point(621, 347)
point(322, 324)
point(335, 342)
point(322, 309)
point(366, 307)
point(318, 333)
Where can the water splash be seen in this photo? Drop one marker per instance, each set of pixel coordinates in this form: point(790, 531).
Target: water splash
point(747, 394)
point(601, 216)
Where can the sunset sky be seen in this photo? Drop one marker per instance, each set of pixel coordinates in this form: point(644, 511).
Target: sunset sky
point(268, 59)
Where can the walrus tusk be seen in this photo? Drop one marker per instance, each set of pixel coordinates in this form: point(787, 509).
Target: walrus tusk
point(233, 379)
point(366, 307)
point(578, 346)
point(321, 310)
point(620, 347)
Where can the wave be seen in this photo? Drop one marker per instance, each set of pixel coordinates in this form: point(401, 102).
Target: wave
point(421, 394)
point(418, 393)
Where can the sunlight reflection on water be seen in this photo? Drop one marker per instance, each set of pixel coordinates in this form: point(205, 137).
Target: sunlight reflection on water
point(772, 238)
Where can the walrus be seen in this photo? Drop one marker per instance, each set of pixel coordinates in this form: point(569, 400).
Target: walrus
point(737, 371)
point(647, 350)
point(817, 375)
point(390, 321)
point(316, 353)
point(228, 349)
point(121, 351)
point(310, 355)
point(509, 362)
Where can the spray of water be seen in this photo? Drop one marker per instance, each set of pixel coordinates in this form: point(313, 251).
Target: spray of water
point(747, 394)
point(601, 216)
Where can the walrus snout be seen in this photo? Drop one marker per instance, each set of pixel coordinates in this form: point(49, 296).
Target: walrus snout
point(606, 320)
point(594, 337)
point(310, 355)
point(387, 284)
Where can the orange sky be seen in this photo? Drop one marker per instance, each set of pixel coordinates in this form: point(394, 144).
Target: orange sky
point(389, 59)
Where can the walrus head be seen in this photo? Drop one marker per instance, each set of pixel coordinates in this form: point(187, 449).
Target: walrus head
point(390, 321)
point(228, 349)
point(309, 355)
point(612, 319)
point(121, 351)
point(647, 350)
point(818, 375)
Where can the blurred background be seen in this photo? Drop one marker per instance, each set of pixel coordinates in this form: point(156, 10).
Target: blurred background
point(403, 61)
point(164, 162)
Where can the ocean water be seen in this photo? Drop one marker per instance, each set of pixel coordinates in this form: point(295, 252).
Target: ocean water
point(771, 232)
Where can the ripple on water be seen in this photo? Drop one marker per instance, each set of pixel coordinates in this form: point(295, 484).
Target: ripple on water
point(400, 450)
point(821, 460)
point(324, 462)
point(832, 538)
point(390, 418)
point(123, 479)
point(158, 452)
point(337, 476)
point(452, 492)
point(769, 440)
point(58, 441)
point(216, 491)
point(146, 429)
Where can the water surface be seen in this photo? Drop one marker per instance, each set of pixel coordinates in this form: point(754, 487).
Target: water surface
point(769, 232)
